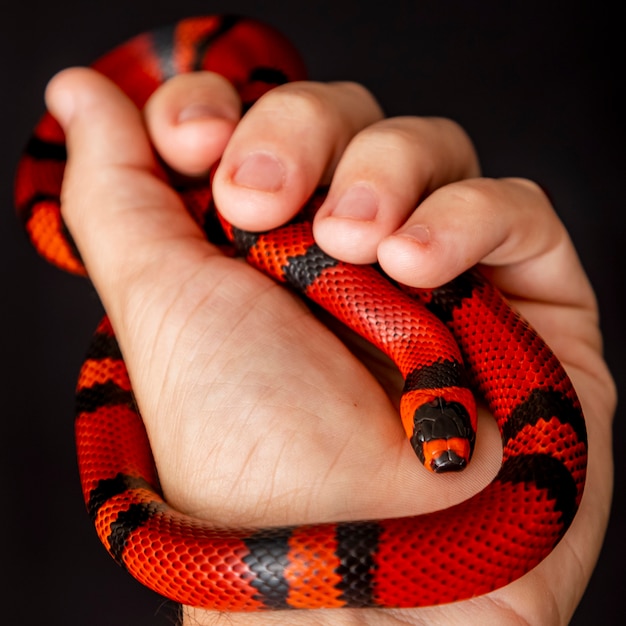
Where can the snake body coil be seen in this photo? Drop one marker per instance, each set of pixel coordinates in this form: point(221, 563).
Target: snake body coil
point(472, 548)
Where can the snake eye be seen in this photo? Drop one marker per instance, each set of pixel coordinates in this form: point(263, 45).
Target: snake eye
point(443, 438)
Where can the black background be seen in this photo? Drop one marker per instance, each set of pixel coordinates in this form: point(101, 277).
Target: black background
point(539, 87)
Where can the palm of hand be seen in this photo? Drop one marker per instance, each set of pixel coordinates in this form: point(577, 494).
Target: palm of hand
point(258, 409)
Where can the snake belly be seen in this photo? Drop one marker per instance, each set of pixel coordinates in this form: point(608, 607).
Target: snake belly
point(470, 549)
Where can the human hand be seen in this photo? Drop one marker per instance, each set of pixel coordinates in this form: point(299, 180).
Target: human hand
point(239, 420)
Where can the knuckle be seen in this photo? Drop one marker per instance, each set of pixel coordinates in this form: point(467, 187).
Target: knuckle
point(449, 126)
point(423, 139)
point(421, 129)
point(390, 137)
point(328, 105)
point(300, 100)
point(358, 96)
point(534, 189)
point(474, 194)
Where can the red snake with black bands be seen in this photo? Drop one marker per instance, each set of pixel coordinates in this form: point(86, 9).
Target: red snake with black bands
point(469, 549)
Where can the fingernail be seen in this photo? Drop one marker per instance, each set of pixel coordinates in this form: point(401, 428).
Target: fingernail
point(198, 111)
point(416, 232)
point(261, 171)
point(204, 110)
point(358, 202)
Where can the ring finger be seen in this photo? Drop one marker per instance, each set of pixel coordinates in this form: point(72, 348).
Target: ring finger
point(385, 171)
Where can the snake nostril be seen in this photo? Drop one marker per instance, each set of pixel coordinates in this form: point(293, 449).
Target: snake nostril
point(448, 461)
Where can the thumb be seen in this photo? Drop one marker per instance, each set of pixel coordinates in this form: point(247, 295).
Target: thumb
point(119, 209)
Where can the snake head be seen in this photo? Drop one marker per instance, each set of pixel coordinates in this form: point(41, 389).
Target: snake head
point(443, 436)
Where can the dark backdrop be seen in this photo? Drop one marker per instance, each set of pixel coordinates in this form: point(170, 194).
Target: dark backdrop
point(538, 87)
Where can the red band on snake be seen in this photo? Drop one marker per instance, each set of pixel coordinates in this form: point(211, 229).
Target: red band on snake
point(470, 549)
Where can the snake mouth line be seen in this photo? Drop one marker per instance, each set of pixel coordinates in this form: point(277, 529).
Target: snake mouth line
point(443, 438)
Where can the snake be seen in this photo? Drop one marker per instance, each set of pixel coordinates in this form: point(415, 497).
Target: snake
point(449, 343)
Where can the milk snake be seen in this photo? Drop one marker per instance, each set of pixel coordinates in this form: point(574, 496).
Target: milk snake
point(470, 549)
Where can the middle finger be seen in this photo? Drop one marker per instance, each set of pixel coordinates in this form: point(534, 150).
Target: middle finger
point(287, 144)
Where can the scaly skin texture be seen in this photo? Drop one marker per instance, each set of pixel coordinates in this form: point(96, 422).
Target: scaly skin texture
point(470, 549)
